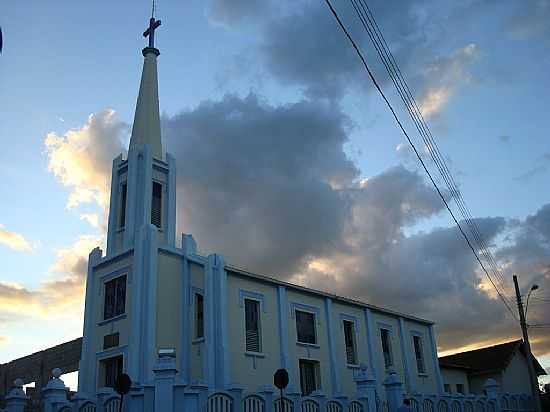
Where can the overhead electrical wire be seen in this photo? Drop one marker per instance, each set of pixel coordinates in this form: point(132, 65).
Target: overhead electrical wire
point(420, 126)
point(377, 38)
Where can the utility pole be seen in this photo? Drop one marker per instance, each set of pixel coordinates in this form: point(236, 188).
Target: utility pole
point(530, 357)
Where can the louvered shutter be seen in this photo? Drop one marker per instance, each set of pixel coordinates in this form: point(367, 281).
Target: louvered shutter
point(252, 325)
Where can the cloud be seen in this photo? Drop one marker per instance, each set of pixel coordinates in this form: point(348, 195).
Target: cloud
point(63, 289)
point(272, 188)
point(15, 241)
point(80, 158)
point(262, 158)
point(531, 19)
point(3, 339)
point(231, 12)
point(443, 77)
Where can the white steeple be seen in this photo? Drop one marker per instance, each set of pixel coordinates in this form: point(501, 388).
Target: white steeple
point(146, 128)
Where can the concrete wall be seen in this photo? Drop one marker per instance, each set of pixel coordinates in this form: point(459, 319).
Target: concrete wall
point(515, 378)
point(454, 376)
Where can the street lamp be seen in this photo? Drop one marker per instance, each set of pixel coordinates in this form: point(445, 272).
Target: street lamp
point(533, 288)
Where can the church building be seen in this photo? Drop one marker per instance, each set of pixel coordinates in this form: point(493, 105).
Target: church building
point(223, 325)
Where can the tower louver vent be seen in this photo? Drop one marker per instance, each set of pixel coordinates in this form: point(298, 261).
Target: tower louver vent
point(156, 205)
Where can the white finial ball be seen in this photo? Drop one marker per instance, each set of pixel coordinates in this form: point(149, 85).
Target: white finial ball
point(56, 373)
point(18, 382)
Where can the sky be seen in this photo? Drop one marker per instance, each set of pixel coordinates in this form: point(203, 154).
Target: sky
point(288, 162)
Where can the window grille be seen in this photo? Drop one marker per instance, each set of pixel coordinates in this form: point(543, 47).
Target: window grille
point(113, 369)
point(115, 297)
point(309, 376)
point(418, 353)
point(156, 205)
point(349, 337)
point(252, 325)
point(386, 348)
point(305, 327)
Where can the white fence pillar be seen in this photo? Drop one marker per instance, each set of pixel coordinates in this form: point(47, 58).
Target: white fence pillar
point(492, 389)
point(394, 391)
point(165, 375)
point(366, 388)
point(55, 392)
point(16, 400)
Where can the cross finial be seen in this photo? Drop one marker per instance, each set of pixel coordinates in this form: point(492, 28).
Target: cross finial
point(150, 32)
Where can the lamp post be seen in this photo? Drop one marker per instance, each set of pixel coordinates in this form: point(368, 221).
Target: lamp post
point(533, 288)
point(530, 363)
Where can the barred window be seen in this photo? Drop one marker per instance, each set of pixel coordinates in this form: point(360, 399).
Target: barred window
point(156, 205)
point(252, 325)
point(349, 338)
point(115, 297)
point(419, 354)
point(386, 348)
point(111, 370)
point(310, 376)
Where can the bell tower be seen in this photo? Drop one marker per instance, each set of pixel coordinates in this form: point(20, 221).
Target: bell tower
point(143, 186)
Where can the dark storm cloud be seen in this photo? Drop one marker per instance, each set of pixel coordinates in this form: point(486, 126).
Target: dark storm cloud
point(261, 182)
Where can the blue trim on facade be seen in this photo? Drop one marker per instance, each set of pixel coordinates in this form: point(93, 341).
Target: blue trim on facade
point(151, 254)
point(122, 271)
point(252, 295)
point(171, 209)
point(436, 360)
point(370, 340)
point(114, 207)
point(113, 319)
point(84, 384)
point(209, 374)
point(185, 331)
point(345, 316)
point(194, 290)
point(283, 327)
point(331, 332)
point(409, 382)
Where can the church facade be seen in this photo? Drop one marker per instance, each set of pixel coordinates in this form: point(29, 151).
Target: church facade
point(223, 325)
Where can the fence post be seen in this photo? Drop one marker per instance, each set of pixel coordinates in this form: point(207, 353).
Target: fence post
point(366, 388)
point(267, 392)
point(102, 395)
point(16, 400)
point(55, 392)
point(165, 375)
point(492, 389)
point(394, 391)
point(236, 393)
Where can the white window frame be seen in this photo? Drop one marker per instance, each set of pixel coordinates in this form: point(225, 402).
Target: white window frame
point(260, 337)
point(420, 336)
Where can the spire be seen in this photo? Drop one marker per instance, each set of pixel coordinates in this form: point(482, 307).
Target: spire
point(146, 128)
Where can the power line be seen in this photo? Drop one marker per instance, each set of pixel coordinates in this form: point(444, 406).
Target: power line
point(390, 107)
point(377, 38)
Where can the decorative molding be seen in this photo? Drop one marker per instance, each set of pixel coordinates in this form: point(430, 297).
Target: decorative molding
point(387, 326)
point(331, 337)
point(305, 308)
point(409, 383)
point(126, 270)
point(435, 359)
point(192, 291)
point(370, 340)
point(252, 295)
point(113, 319)
point(350, 318)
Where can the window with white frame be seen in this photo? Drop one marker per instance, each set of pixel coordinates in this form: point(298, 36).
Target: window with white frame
point(349, 340)
point(385, 336)
point(110, 370)
point(310, 376)
point(419, 354)
point(305, 327)
point(199, 316)
point(252, 325)
point(115, 297)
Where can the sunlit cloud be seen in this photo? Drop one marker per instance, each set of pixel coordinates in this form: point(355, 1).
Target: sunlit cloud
point(15, 241)
point(81, 157)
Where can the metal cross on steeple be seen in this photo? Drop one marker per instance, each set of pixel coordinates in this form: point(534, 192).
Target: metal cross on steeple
point(153, 25)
